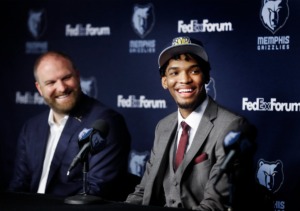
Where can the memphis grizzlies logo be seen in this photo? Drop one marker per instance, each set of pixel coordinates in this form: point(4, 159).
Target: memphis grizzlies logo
point(270, 174)
point(137, 162)
point(89, 86)
point(36, 23)
point(143, 19)
point(211, 88)
point(274, 14)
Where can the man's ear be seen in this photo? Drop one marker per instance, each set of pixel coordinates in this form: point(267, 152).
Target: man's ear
point(164, 82)
point(38, 87)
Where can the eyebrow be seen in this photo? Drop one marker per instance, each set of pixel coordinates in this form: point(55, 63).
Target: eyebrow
point(190, 67)
point(62, 78)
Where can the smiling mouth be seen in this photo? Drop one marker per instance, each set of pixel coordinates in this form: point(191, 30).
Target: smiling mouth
point(185, 90)
point(63, 96)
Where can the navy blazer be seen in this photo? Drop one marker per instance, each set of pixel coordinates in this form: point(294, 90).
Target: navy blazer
point(106, 168)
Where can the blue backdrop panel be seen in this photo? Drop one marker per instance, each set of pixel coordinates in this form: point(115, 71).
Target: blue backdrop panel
point(254, 59)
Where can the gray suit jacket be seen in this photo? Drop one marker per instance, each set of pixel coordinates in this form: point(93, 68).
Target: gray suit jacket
point(196, 176)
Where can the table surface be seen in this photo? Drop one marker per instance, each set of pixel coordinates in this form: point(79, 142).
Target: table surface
point(42, 202)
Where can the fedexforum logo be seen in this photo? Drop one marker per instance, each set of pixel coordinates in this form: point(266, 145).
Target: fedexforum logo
point(29, 98)
point(80, 30)
point(133, 102)
point(205, 26)
point(273, 15)
point(261, 105)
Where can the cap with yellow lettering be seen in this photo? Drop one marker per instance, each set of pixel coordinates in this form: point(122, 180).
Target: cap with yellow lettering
point(182, 45)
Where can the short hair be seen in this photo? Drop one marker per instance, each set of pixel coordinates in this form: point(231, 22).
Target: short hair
point(51, 53)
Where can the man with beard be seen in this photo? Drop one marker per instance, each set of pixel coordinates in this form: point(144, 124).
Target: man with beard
point(189, 182)
point(48, 142)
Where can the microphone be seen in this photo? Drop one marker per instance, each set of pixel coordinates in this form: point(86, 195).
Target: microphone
point(90, 140)
point(236, 143)
point(84, 136)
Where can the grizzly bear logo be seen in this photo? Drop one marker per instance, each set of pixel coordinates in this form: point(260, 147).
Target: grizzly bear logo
point(270, 174)
point(274, 14)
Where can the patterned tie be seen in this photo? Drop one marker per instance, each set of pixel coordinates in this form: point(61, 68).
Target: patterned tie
point(182, 144)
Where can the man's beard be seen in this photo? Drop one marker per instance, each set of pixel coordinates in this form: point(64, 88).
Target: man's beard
point(192, 105)
point(186, 105)
point(64, 108)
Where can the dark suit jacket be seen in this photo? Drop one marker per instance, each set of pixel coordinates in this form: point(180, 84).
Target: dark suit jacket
point(197, 173)
point(106, 168)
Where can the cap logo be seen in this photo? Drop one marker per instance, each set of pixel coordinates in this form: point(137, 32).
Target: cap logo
point(181, 41)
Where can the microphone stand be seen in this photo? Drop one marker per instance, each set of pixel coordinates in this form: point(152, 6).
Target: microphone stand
point(231, 192)
point(84, 198)
point(84, 172)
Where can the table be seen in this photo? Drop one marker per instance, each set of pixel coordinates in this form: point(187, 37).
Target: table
point(43, 202)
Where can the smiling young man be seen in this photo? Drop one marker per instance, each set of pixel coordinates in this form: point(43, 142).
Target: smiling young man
point(189, 183)
point(185, 80)
point(49, 142)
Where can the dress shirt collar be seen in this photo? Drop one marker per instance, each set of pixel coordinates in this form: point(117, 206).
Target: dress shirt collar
point(51, 120)
point(194, 118)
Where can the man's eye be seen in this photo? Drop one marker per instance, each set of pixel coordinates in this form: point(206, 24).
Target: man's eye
point(67, 78)
point(50, 83)
point(173, 73)
point(195, 71)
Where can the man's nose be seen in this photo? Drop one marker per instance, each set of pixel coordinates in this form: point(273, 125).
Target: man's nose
point(60, 86)
point(184, 77)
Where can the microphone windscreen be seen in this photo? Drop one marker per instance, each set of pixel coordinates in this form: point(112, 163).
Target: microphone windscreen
point(231, 138)
point(101, 126)
point(84, 133)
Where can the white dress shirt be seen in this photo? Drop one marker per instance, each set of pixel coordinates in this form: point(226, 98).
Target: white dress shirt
point(55, 132)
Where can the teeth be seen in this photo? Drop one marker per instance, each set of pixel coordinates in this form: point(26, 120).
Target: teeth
point(184, 90)
point(62, 96)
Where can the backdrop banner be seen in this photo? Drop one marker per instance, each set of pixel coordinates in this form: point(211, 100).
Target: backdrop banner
point(253, 48)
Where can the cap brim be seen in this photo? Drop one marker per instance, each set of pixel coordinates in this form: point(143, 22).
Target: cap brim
point(171, 51)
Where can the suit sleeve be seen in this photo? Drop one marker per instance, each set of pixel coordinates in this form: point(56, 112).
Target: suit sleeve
point(216, 196)
point(139, 195)
point(20, 181)
point(107, 168)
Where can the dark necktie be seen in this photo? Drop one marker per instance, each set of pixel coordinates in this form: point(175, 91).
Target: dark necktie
point(182, 144)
